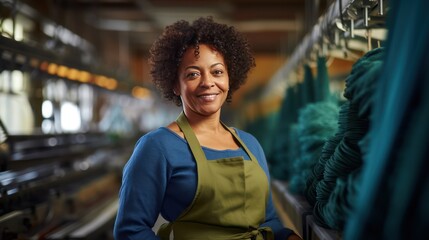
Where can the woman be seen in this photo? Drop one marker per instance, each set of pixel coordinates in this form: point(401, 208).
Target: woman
point(209, 181)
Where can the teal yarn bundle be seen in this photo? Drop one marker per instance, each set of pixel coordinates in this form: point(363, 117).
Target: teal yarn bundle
point(321, 84)
point(316, 123)
point(336, 188)
point(279, 158)
point(284, 151)
point(394, 188)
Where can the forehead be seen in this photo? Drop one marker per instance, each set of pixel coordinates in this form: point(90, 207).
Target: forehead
point(202, 53)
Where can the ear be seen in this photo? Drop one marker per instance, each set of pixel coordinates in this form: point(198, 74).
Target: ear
point(176, 90)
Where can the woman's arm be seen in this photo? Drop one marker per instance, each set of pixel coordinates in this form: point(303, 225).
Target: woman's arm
point(142, 191)
point(272, 221)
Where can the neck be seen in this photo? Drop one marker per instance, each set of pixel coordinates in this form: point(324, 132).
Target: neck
point(204, 124)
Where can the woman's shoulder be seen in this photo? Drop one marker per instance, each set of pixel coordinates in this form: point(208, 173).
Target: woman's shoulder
point(160, 136)
point(245, 136)
point(158, 132)
point(248, 138)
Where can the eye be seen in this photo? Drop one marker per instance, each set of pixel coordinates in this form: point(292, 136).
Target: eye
point(217, 72)
point(192, 75)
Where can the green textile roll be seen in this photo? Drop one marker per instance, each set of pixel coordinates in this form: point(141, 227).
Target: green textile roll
point(331, 205)
point(394, 191)
point(279, 159)
point(284, 153)
point(317, 122)
point(322, 92)
point(308, 87)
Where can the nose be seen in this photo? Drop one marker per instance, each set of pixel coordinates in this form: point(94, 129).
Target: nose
point(207, 81)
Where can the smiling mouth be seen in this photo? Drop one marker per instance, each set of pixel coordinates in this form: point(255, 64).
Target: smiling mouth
point(208, 97)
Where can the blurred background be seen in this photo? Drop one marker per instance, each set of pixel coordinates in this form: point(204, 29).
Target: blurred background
point(76, 93)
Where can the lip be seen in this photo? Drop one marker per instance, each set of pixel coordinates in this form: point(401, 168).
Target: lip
point(207, 94)
point(208, 97)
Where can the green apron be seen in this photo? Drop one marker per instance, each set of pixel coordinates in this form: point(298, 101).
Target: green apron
point(230, 199)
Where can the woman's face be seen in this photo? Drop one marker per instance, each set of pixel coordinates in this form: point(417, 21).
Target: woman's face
point(203, 81)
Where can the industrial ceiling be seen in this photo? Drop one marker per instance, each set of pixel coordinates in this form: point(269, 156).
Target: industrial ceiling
point(122, 31)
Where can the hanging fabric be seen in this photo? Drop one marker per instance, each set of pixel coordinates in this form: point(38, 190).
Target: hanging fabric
point(279, 161)
point(317, 121)
point(322, 81)
point(394, 192)
point(336, 189)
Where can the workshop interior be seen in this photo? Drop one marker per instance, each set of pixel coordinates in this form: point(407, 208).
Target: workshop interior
point(336, 100)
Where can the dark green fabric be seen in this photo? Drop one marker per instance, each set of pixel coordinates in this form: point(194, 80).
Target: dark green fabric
point(316, 125)
point(394, 192)
point(279, 159)
point(333, 200)
point(284, 152)
point(263, 129)
point(322, 91)
point(308, 93)
point(317, 122)
point(296, 148)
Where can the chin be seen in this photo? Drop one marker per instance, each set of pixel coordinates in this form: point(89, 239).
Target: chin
point(208, 111)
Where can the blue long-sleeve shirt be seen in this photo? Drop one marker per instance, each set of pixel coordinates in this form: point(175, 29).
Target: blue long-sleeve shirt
point(161, 177)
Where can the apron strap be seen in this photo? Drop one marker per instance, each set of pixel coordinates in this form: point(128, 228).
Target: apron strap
point(183, 123)
point(232, 131)
point(164, 231)
point(262, 233)
point(193, 143)
point(197, 151)
point(267, 233)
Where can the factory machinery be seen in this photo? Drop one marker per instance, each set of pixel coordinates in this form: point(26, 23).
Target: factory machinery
point(59, 186)
point(59, 181)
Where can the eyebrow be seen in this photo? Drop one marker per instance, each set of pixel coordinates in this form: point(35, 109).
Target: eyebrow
point(198, 68)
point(217, 64)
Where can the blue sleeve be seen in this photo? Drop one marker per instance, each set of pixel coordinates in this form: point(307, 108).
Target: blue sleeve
point(143, 186)
point(271, 218)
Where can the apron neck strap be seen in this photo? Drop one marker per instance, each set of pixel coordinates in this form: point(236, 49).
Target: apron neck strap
point(232, 131)
point(193, 143)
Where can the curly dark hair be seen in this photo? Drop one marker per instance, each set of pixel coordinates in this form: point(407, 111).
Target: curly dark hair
point(167, 53)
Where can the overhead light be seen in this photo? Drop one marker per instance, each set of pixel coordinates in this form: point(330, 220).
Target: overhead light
point(52, 68)
point(140, 92)
point(84, 76)
point(44, 66)
point(62, 71)
point(111, 84)
point(73, 74)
